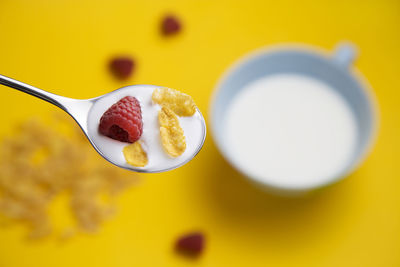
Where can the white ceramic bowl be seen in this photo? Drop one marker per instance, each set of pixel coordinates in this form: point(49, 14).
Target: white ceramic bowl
point(334, 69)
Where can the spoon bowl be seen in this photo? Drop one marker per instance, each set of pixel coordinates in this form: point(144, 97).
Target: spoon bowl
point(87, 113)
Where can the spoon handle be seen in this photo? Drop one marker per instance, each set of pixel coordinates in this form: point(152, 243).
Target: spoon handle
point(77, 108)
point(29, 89)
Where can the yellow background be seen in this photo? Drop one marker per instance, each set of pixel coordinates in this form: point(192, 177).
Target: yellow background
point(64, 47)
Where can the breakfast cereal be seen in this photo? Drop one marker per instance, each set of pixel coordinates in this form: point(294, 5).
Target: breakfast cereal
point(38, 163)
point(181, 104)
point(135, 155)
point(172, 137)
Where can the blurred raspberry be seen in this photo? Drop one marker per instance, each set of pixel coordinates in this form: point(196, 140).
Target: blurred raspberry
point(190, 244)
point(122, 67)
point(170, 25)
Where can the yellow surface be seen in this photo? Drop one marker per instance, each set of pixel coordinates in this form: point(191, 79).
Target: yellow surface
point(63, 46)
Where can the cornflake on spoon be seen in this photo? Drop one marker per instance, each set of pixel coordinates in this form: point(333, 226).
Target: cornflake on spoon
point(172, 137)
point(180, 103)
point(135, 155)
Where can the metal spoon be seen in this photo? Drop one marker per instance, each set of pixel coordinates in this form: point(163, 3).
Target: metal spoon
point(80, 111)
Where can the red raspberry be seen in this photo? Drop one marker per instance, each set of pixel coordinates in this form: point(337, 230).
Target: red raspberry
point(123, 120)
point(170, 25)
point(191, 244)
point(122, 67)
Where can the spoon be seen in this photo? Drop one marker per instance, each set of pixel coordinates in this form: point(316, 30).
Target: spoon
point(87, 113)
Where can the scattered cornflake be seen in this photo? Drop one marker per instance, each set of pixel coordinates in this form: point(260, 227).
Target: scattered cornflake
point(180, 103)
point(39, 162)
point(172, 137)
point(135, 155)
point(67, 234)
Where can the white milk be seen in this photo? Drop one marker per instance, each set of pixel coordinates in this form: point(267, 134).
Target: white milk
point(151, 141)
point(290, 130)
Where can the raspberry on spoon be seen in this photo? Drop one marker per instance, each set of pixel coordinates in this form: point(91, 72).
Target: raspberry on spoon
point(123, 120)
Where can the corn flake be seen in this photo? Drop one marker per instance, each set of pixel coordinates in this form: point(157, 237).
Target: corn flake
point(180, 103)
point(135, 155)
point(172, 137)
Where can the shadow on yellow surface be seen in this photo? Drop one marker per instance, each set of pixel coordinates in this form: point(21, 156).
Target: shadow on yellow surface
point(250, 211)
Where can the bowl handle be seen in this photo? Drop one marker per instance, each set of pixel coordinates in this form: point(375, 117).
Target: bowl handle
point(345, 54)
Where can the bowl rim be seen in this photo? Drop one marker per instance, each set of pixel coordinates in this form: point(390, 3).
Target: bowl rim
point(328, 57)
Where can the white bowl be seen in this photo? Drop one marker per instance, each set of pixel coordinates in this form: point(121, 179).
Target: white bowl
point(334, 70)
